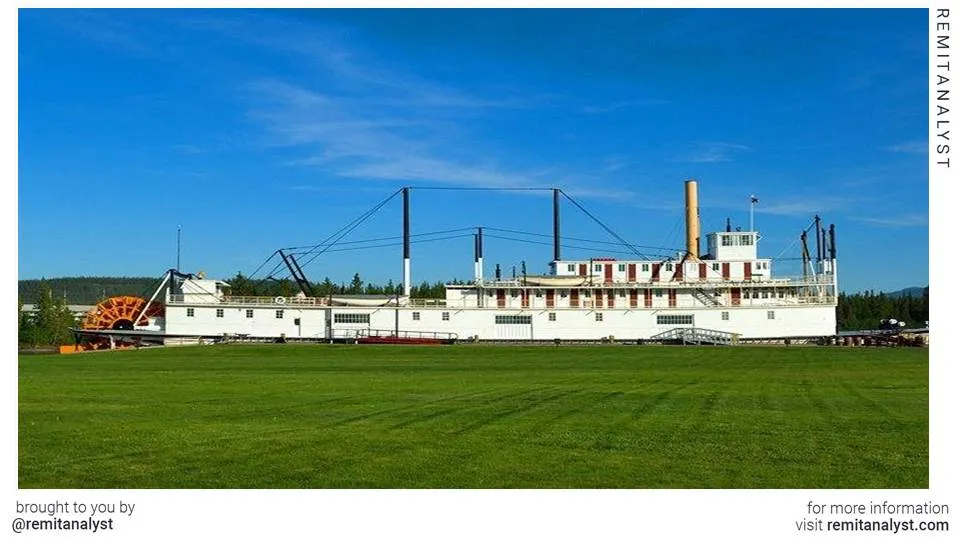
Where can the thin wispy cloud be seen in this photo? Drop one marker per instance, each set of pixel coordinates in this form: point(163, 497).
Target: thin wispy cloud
point(372, 122)
point(712, 152)
point(907, 220)
point(189, 149)
point(117, 33)
point(620, 105)
point(616, 163)
point(794, 206)
point(911, 147)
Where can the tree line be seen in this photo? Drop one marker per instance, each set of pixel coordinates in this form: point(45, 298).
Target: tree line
point(863, 311)
point(88, 290)
point(241, 285)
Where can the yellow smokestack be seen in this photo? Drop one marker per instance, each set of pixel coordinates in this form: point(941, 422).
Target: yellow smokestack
point(693, 220)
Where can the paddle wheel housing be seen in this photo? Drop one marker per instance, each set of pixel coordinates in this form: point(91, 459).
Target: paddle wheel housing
point(120, 313)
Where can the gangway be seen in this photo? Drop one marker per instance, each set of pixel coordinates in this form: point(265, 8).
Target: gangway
point(403, 337)
point(696, 336)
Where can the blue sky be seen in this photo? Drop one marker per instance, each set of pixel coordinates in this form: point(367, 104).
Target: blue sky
point(260, 129)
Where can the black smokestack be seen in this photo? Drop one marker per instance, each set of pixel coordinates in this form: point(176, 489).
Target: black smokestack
point(833, 241)
point(818, 232)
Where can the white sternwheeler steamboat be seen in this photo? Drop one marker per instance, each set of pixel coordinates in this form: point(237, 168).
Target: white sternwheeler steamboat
point(720, 295)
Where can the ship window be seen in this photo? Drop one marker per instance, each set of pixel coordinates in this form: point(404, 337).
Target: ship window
point(538, 294)
point(513, 319)
point(249, 313)
point(669, 267)
point(716, 267)
point(756, 294)
point(552, 317)
point(189, 312)
point(725, 315)
point(623, 294)
point(622, 268)
point(674, 319)
point(658, 292)
point(746, 240)
point(513, 294)
point(490, 294)
point(764, 294)
point(571, 268)
point(758, 266)
point(727, 240)
point(587, 293)
point(279, 313)
point(351, 318)
point(764, 266)
point(780, 294)
point(645, 268)
point(563, 294)
point(597, 267)
point(219, 313)
point(416, 315)
point(598, 317)
point(445, 315)
point(770, 315)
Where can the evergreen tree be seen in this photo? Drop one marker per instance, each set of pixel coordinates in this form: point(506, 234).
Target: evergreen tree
point(53, 319)
point(326, 288)
point(240, 285)
point(356, 285)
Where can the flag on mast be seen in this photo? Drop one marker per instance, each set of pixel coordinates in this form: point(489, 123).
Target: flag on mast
point(754, 199)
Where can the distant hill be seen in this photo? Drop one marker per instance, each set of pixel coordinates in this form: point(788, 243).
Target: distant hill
point(88, 290)
point(915, 292)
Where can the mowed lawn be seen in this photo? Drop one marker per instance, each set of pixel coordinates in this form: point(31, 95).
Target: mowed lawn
point(322, 416)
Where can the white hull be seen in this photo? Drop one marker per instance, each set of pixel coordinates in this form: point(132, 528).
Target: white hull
point(490, 324)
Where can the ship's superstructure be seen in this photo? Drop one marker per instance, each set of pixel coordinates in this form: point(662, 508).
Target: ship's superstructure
point(726, 289)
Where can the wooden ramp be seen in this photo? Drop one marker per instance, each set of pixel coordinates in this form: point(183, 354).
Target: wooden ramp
point(696, 336)
point(404, 337)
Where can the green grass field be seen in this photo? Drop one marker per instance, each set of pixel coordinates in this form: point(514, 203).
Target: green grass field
point(320, 416)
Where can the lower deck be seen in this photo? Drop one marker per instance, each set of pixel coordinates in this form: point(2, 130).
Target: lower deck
point(319, 322)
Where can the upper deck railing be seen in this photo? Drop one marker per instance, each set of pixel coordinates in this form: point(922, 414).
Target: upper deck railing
point(712, 282)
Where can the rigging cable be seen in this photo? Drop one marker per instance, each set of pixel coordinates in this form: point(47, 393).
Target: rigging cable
point(594, 218)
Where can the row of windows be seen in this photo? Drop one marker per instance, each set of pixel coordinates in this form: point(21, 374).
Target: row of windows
point(364, 318)
point(674, 319)
point(599, 267)
point(249, 313)
point(351, 318)
point(736, 239)
point(587, 293)
point(572, 268)
point(513, 319)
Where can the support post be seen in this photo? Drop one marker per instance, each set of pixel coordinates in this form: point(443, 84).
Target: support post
point(556, 225)
point(406, 241)
point(833, 241)
point(816, 230)
point(476, 258)
point(480, 253)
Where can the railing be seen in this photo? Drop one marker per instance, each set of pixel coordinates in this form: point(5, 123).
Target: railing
point(706, 298)
point(599, 283)
point(438, 302)
point(697, 335)
point(279, 301)
point(403, 334)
